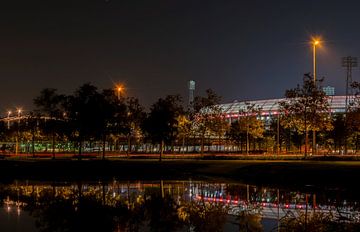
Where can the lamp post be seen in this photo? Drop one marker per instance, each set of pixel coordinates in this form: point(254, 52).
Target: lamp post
point(278, 134)
point(315, 43)
point(17, 137)
point(8, 119)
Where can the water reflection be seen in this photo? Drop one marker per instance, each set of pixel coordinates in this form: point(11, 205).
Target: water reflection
point(177, 206)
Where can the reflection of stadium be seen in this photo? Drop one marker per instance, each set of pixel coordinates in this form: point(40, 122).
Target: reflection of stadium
point(270, 107)
point(269, 203)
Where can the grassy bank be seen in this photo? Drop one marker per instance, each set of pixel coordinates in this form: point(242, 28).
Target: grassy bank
point(193, 156)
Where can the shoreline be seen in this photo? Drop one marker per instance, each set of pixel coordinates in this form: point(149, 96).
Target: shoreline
point(181, 156)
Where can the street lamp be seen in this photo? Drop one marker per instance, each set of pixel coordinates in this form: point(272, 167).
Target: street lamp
point(315, 42)
point(119, 89)
point(8, 116)
point(17, 136)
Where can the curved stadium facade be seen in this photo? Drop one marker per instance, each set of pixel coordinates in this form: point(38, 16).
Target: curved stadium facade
point(270, 107)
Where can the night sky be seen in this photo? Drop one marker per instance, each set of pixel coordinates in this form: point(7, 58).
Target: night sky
point(242, 49)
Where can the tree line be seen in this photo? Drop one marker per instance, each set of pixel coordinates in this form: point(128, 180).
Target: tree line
point(92, 119)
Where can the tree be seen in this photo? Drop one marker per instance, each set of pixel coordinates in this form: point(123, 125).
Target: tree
point(29, 127)
point(247, 126)
point(184, 128)
point(218, 126)
point(352, 119)
point(134, 117)
point(161, 124)
point(235, 134)
point(3, 135)
point(337, 136)
point(2, 130)
point(287, 136)
point(306, 108)
point(49, 105)
point(85, 113)
point(112, 109)
point(205, 110)
point(250, 124)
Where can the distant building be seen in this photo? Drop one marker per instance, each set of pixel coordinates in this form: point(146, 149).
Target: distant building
point(191, 92)
point(329, 90)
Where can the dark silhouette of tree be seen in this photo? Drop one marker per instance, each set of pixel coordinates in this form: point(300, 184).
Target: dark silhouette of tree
point(352, 119)
point(49, 105)
point(288, 137)
point(134, 118)
point(111, 110)
point(337, 137)
point(235, 134)
point(85, 114)
point(3, 137)
point(71, 213)
point(88, 115)
point(306, 108)
point(209, 100)
point(161, 213)
point(161, 124)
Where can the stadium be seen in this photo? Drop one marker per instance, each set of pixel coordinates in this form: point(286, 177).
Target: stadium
point(270, 107)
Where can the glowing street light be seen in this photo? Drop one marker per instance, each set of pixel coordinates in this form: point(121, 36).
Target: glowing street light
point(315, 42)
point(8, 121)
point(120, 89)
point(19, 112)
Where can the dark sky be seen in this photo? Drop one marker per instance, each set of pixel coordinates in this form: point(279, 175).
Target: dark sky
point(242, 49)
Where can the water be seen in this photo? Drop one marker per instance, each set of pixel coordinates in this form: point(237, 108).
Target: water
point(173, 206)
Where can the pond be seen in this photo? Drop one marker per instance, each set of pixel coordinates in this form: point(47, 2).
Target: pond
point(173, 206)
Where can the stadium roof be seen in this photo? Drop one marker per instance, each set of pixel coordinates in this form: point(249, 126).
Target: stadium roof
point(271, 106)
